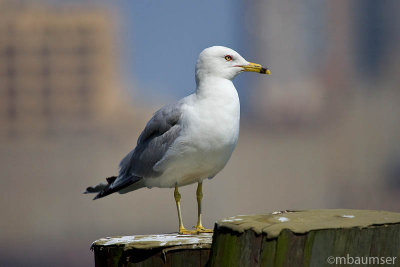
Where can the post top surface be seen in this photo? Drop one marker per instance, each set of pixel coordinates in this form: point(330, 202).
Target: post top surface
point(304, 221)
point(156, 241)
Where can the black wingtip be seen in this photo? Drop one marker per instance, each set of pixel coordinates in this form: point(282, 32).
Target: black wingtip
point(105, 192)
point(107, 189)
point(111, 179)
point(99, 195)
point(89, 190)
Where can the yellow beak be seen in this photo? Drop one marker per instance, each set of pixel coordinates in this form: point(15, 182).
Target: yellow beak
point(256, 68)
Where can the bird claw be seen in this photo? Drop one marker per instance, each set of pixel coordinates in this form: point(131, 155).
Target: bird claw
point(201, 229)
point(187, 232)
point(196, 231)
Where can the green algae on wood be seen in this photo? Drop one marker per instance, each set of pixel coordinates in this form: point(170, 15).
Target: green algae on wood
point(303, 221)
point(305, 238)
point(301, 238)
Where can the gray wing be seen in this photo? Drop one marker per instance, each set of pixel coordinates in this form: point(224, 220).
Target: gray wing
point(157, 137)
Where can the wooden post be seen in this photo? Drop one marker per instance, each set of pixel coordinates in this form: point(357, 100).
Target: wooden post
point(288, 238)
point(308, 238)
point(153, 250)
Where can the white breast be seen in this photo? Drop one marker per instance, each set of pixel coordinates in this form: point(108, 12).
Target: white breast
point(209, 135)
point(213, 122)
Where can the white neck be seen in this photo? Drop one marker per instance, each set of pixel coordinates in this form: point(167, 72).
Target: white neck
point(210, 86)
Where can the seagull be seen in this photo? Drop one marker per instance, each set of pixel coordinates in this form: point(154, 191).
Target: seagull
point(191, 140)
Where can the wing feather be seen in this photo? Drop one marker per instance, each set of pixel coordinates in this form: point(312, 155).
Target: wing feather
point(155, 140)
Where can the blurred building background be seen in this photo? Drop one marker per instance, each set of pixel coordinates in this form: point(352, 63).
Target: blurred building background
point(80, 78)
point(58, 69)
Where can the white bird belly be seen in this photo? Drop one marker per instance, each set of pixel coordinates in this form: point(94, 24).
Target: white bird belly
point(209, 136)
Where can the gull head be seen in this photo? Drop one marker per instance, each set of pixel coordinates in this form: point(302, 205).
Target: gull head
point(223, 62)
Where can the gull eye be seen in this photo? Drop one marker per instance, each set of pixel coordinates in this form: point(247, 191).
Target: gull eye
point(228, 58)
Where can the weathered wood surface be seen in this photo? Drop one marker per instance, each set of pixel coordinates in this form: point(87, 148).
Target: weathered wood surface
point(153, 250)
point(308, 238)
point(289, 238)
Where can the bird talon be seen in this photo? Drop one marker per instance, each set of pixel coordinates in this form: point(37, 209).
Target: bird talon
point(187, 232)
point(201, 229)
point(204, 230)
point(197, 230)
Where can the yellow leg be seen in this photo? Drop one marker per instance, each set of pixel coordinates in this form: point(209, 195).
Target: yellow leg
point(199, 195)
point(177, 196)
point(182, 229)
